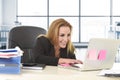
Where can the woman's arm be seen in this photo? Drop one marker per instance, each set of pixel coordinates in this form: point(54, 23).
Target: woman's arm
point(69, 61)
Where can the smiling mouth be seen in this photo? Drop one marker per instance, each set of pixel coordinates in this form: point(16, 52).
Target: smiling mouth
point(63, 43)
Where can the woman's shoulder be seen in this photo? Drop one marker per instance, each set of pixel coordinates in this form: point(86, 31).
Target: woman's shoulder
point(44, 41)
point(43, 38)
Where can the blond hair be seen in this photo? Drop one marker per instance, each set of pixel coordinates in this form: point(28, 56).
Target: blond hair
point(53, 33)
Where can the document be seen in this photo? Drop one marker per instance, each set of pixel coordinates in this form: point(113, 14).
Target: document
point(113, 72)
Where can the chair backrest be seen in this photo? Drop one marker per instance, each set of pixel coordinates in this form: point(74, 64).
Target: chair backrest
point(25, 37)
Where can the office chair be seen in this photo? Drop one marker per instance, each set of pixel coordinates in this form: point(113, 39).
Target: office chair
point(25, 37)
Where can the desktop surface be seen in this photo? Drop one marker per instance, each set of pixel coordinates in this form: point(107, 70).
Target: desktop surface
point(55, 73)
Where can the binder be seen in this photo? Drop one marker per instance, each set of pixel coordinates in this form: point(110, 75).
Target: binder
point(10, 65)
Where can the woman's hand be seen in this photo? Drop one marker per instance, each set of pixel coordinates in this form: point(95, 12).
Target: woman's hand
point(69, 61)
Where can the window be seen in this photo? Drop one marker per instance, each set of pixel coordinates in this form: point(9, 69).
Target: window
point(116, 11)
point(32, 7)
point(89, 18)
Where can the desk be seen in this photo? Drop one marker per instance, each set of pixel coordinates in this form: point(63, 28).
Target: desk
point(55, 73)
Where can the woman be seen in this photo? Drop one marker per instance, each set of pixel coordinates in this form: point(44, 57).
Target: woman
point(56, 47)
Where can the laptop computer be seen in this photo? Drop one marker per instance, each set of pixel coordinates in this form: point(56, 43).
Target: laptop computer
point(100, 54)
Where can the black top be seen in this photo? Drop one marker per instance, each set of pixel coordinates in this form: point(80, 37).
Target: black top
point(44, 52)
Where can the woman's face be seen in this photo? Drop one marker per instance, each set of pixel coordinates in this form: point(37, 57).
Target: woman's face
point(64, 36)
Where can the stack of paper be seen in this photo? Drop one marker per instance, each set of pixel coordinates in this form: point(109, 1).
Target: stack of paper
point(10, 60)
point(9, 53)
point(114, 71)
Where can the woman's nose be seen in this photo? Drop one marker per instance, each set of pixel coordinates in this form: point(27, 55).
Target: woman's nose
point(66, 39)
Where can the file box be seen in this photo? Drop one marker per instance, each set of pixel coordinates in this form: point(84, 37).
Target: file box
point(10, 65)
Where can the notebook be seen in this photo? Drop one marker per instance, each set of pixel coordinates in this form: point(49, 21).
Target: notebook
point(100, 54)
point(33, 66)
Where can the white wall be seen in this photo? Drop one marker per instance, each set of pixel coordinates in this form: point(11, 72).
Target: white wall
point(0, 12)
point(9, 12)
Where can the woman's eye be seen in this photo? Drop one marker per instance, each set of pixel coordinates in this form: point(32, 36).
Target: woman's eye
point(68, 34)
point(62, 35)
